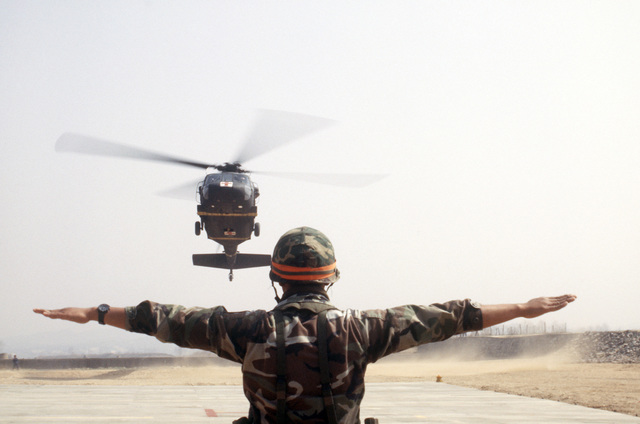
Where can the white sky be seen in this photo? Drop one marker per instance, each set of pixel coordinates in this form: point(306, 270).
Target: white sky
point(509, 129)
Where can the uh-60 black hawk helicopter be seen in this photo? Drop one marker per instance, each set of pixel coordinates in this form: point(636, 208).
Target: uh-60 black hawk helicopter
point(227, 196)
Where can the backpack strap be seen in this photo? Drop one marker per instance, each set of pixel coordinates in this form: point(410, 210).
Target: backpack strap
point(281, 369)
point(325, 378)
point(323, 361)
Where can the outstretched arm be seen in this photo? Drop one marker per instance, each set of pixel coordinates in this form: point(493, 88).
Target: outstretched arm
point(497, 314)
point(115, 317)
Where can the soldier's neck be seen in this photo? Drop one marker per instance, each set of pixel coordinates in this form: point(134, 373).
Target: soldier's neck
point(302, 289)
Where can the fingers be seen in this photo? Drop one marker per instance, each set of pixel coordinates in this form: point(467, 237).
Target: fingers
point(47, 313)
point(560, 302)
point(543, 305)
point(79, 315)
point(69, 314)
point(557, 305)
point(565, 298)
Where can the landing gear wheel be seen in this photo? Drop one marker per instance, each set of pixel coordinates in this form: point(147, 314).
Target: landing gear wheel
point(198, 228)
point(256, 229)
point(231, 275)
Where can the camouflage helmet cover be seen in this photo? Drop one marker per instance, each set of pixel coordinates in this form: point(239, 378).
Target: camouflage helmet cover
point(304, 255)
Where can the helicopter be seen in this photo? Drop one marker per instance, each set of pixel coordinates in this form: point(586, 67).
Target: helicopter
point(227, 196)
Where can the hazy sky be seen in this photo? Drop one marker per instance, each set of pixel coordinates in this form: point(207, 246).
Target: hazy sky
point(509, 130)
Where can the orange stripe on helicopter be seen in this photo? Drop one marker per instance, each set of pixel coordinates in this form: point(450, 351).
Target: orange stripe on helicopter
point(226, 214)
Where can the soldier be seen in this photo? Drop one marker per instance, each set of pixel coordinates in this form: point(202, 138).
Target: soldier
point(305, 360)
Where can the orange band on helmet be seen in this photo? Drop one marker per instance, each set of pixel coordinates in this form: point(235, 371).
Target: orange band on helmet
point(303, 274)
point(306, 277)
point(289, 268)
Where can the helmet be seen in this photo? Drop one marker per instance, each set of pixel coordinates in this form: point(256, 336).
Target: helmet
point(302, 256)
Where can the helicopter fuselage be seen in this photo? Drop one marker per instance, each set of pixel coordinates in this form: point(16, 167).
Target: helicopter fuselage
point(227, 208)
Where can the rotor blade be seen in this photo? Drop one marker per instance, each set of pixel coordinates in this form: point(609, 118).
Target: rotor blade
point(186, 191)
point(70, 142)
point(341, 180)
point(275, 128)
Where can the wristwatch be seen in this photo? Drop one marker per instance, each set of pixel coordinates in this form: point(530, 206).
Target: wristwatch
point(102, 311)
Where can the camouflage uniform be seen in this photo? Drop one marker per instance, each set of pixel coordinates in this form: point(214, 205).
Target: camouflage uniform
point(355, 339)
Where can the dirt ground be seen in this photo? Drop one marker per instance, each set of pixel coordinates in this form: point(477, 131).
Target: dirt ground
point(614, 387)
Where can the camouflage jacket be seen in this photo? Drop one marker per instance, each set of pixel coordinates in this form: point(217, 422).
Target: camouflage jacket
point(355, 338)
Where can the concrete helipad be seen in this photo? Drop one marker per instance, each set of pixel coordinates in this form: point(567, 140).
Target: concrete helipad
point(391, 403)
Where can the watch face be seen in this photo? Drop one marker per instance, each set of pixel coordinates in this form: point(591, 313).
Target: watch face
point(102, 310)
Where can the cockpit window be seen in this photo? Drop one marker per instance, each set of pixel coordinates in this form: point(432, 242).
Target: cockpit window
point(231, 186)
point(213, 178)
point(240, 178)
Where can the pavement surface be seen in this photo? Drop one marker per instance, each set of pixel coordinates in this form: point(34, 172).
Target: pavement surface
point(391, 403)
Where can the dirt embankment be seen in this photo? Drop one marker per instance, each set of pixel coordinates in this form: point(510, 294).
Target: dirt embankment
point(618, 347)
